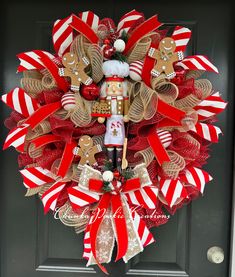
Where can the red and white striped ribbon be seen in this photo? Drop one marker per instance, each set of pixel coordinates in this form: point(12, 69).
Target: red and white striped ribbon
point(145, 236)
point(36, 176)
point(196, 177)
point(80, 197)
point(146, 197)
point(127, 21)
point(207, 131)
point(165, 137)
point(50, 197)
point(210, 106)
point(87, 243)
point(20, 101)
point(16, 137)
point(172, 190)
point(197, 62)
point(62, 35)
point(32, 60)
point(91, 19)
point(181, 35)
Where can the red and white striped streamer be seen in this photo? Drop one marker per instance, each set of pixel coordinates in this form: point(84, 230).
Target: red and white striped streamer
point(210, 106)
point(91, 19)
point(62, 35)
point(181, 35)
point(32, 60)
point(127, 21)
point(146, 197)
point(207, 131)
point(196, 177)
point(50, 197)
point(145, 236)
point(80, 197)
point(197, 62)
point(36, 176)
point(16, 137)
point(20, 101)
point(87, 243)
point(172, 190)
point(165, 137)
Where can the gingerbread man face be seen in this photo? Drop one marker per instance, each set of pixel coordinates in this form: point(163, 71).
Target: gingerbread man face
point(85, 142)
point(167, 45)
point(69, 60)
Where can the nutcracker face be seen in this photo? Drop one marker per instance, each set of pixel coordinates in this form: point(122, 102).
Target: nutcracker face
point(85, 142)
point(114, 88)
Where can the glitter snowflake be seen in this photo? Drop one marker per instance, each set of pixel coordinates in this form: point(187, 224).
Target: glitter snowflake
point(102, 255)
point(104, 237)
point(132, 244)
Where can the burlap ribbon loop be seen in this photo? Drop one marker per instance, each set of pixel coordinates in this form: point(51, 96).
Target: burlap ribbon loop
point(177, 163)
point(140, 49)
point(166, 90)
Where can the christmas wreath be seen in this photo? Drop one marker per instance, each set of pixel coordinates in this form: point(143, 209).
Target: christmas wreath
point(113, 128)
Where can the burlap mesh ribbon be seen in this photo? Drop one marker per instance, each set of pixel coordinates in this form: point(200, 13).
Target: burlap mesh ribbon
point(203, 89)
point(81, 115)
point(146, 154)
point(143, 102)
point(42, 128)
point(140, 49)
point(34, 82)
point(177, 163)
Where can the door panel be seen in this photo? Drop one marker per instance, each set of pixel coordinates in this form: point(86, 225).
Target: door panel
point(37, 245)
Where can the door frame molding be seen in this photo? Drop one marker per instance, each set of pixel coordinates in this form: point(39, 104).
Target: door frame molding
point(232, 240)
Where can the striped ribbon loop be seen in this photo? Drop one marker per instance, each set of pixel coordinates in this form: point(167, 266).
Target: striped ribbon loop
point(172, 190)
point(196, 177)
point(90, 19)
point(210, 106)
point(62, 35)
point(32, 60)
point(181, 36)
point(36, 176)
point(207, 131)
point(197, 62)
point(20, 101)
point(127, 21)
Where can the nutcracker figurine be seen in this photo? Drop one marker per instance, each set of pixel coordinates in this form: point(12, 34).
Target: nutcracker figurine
point(114, 94)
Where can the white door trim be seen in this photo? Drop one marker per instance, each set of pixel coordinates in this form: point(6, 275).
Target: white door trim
point(232, 241)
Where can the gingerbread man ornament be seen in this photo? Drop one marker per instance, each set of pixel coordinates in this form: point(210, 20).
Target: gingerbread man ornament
point(87, 150)
point(165, 56)
point(74, 69)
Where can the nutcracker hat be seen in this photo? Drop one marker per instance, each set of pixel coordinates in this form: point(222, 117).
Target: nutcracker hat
point(115, 69)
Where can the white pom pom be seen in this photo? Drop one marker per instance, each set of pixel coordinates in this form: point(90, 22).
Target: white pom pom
point(108, 176)
point(68, 101)
point(119, 45)
point(165, 137)
point(136, 69)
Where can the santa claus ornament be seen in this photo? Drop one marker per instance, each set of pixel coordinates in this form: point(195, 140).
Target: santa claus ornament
point(118, 120)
